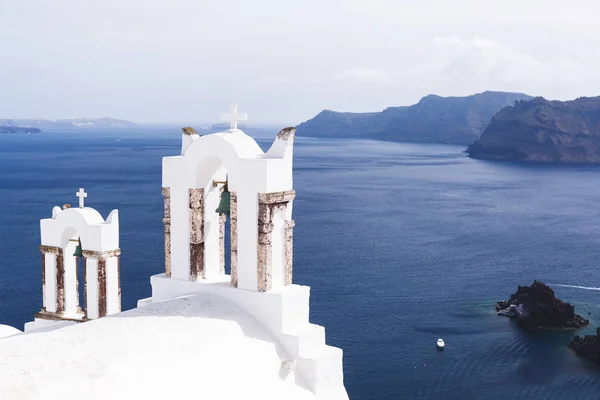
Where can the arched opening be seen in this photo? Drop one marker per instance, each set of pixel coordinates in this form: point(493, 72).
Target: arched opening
point(213, 179)
point(71, 277)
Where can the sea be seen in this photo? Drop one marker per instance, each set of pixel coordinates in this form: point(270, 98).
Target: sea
point(401, 244)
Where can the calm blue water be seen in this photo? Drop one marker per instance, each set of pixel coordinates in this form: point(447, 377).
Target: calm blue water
point(401, 244)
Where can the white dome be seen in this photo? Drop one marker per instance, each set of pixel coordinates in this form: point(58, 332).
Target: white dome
point(199, 346)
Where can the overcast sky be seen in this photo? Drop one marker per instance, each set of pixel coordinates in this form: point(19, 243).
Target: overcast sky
point(185, 61)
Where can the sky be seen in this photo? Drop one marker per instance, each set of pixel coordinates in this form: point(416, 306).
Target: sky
point(282, 61)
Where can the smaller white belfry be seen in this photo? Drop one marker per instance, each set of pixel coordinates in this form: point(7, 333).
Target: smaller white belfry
point(72, 234)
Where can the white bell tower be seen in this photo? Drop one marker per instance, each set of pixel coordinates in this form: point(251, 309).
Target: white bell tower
point(260, 188)
point(70, 234)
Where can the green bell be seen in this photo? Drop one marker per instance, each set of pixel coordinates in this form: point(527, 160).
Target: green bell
point(225, 202)
point(78, 251)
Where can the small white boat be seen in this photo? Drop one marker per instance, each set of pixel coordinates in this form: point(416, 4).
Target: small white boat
point(440, 344)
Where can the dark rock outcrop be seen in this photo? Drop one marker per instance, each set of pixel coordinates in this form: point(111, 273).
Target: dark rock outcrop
point(543, 131)
point(536, 305)
point(435, 119)
point(587, 347)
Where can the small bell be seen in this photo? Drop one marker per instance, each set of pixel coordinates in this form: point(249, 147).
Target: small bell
point(225, 201)
point(78, 250)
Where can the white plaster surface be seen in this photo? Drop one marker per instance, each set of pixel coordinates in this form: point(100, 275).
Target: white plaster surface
point(6, 331)
point(197, 346)
point(95, 233)
point(284, 313)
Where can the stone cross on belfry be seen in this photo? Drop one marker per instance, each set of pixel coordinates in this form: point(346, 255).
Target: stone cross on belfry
point(233, 117)
point(82, 195)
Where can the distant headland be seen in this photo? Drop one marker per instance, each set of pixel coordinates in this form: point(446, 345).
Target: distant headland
point(543, 131)
point(434, 119)
point(38, 125)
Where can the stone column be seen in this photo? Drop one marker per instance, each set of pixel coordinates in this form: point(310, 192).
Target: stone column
point(233, 237)
point(85, 286)
point(289, 250)
point(60, 282)
point(268, 205)
point(196, 200)
point(166, 192)
point(106, 290)
point(222, 219)
point(49, 292)
point(101, 287)
point(43, 281)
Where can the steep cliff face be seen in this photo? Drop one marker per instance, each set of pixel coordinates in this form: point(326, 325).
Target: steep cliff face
point(435, 119)
point(543, 131)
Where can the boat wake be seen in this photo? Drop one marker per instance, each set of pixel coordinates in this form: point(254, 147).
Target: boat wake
point(574, 286)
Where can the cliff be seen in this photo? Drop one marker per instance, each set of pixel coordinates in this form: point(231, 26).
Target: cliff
point(434, 119)
point(543, 131)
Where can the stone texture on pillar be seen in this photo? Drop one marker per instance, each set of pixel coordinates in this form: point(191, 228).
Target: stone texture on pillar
point(85, 286)
point(222, 219)
point(166, 192)
point(101, 287)
point(268, 205)
point(196, 204)
point(43, 281)
point(289, 250)
point(233, 238)
point(60, 282)
point(119, 281)
point(101, 256)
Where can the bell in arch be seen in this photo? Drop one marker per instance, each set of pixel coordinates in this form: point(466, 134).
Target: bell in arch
point(78, 250)
point(225, 202)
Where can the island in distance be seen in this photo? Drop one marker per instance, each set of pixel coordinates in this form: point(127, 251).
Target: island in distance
point(26, 125)
point(434, 119)
point(18, 129)
point(540, 130)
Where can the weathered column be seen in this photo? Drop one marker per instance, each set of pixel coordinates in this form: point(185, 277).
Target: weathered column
point(289, 250)
point(233, 237)
point(196, 200)
point(222, 219)
point(91, 284)
point(166, 192)
point(43, 281)
point(85, 286)
point(268, 205)
point(60, 282)
point(113, 281)
point(49, 259)
point(102, 283)
point(101, 287)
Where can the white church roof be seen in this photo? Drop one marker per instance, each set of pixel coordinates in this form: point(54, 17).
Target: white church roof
point(199, 346)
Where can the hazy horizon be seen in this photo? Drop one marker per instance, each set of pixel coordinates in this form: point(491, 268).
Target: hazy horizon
point(185, 61)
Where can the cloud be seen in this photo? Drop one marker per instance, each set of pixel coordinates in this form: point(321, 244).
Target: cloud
point(485, 63)
point(361, 75)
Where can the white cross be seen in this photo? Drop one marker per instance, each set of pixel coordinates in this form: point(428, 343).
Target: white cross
point(82, 195)
point(233, 117)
